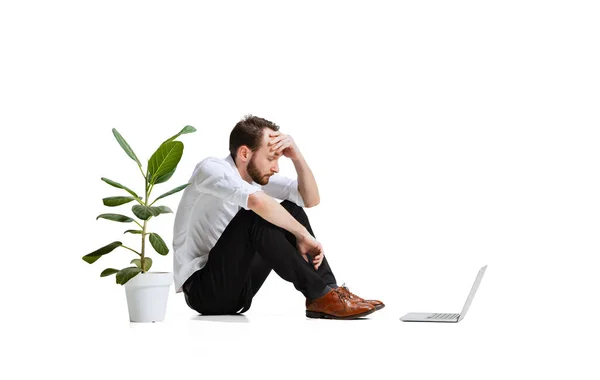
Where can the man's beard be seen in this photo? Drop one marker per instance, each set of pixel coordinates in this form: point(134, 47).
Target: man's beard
point(255, 173)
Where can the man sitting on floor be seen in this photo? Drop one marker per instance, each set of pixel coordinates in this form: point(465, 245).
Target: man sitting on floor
point(230, 232)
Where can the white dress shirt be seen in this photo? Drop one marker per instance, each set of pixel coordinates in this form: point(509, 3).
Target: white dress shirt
point(215, 194)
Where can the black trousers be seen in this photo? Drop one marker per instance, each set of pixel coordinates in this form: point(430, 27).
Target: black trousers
point(239, 263)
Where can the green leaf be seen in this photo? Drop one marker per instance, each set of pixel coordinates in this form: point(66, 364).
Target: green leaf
point(186, 129)
point(175, 190)
point(163, 210)
point(147, 263)
point(163, 178)
point(126, 146)
point(137, 232)
point(158, 244)
point(164, 160)
point(116, 201)
point(92, 257)
point(116, 184)
point(144, 212)
point(127, 274)
point(115, 217)
point(108, 272)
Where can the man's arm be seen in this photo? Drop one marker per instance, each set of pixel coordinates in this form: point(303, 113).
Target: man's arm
point(270, 210)
point(307, 185)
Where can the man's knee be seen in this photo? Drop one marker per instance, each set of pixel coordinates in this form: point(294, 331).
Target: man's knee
point(287, 203)
point(296, 211)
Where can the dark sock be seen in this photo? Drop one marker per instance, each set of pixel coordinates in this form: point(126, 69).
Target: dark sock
point(325, 291)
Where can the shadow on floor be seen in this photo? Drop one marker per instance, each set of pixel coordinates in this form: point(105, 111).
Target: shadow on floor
point(235, 318)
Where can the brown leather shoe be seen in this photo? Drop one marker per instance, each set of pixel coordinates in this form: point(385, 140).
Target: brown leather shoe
point(378, 304)
point(337, 305)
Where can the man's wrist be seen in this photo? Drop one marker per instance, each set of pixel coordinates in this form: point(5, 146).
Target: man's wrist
point(298, 158)
point(302, 233)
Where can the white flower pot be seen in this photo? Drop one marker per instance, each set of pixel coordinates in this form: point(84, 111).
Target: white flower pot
point(147, 295)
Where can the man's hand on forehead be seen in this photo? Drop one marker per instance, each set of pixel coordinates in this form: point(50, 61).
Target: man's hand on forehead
point(281, 144)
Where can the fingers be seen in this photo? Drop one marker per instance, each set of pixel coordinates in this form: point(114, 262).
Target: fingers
point(275, 140)
point(279, 143)
point(318, 259)
point(281, 146)
point(275, 144)
point(317, 262)
point(276, 137)
point(314, 255)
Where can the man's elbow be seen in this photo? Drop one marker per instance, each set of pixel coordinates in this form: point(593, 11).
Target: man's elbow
point(312, 203)
point(255, 200)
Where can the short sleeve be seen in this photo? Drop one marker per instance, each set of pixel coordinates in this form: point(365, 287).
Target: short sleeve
point(281, 187)
point(218, 179)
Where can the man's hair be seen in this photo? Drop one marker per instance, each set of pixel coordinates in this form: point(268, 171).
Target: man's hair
point(248, 131)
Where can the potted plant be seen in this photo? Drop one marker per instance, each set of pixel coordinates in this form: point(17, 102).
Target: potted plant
point(146, 292)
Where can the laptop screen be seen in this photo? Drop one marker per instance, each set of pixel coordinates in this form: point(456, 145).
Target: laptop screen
point(472, 294)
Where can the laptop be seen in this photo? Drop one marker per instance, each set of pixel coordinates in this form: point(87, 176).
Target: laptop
point(447, 317)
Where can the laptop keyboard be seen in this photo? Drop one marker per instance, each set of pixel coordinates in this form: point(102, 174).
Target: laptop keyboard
point(443, 316)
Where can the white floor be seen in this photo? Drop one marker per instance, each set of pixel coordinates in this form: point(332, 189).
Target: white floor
point(272, 343)
point(513, 330)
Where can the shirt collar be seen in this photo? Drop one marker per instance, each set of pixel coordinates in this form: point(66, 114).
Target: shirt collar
point(230, 160)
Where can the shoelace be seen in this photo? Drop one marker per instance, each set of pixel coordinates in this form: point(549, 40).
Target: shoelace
point(342, 295)
point(351, 295)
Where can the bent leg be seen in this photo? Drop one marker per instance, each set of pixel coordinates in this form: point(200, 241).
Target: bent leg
point(272, 245)
point(298, 212)
point(219, 287)
point(261, 269)
point(225, 284)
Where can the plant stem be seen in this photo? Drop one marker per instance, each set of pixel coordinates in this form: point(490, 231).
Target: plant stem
point(136, 222)
point(143, 245)
point(145, 223)
point(150, 190)
point(133, 250)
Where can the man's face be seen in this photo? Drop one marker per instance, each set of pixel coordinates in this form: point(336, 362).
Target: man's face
point(263, 163)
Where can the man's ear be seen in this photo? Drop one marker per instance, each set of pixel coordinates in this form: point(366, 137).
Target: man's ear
point(244, 153)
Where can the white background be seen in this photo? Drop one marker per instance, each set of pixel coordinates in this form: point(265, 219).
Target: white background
point(444, 135)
